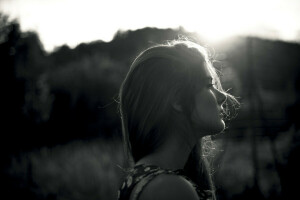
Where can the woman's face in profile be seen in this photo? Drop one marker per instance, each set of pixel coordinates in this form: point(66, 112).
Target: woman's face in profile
point(208, 107)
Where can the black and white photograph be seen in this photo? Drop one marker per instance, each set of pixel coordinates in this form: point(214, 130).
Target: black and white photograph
point(150, 100)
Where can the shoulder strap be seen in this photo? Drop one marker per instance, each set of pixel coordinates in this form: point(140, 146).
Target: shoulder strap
point(143, 183)
point(139, 176)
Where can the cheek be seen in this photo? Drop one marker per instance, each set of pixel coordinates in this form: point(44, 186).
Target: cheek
point(206, 106)
point(206, 115)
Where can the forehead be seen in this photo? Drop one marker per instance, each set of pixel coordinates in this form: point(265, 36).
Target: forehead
point(206, 69)
point(203, 75)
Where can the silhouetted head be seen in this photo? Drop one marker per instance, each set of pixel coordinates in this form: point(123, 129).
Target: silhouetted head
point(170, 88)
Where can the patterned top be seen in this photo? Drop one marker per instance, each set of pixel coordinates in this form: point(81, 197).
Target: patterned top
point(143, 174)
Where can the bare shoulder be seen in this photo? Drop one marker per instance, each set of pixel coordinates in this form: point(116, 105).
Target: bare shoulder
point(168, 186)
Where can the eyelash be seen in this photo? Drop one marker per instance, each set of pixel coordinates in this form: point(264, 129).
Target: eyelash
point(211, 85)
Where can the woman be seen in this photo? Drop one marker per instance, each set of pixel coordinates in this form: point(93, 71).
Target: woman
point(171, 102)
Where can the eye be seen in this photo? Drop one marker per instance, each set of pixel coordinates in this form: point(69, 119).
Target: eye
point(211, 85)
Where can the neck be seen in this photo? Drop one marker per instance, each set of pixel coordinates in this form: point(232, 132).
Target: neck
point(172, 155)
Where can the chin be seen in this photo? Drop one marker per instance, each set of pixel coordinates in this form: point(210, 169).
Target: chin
point(216, 128)
point(221, 127)
point(212, 127)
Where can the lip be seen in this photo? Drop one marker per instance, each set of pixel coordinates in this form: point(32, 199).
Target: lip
point(221, 115)
point(221, 110)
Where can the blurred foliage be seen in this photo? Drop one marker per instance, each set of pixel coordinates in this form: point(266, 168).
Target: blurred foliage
point(77, 170)
point(71, 94)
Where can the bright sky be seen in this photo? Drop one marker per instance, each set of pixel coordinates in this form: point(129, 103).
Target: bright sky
point(74, 21)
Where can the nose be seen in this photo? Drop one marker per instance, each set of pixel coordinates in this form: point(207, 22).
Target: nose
point(221, 96)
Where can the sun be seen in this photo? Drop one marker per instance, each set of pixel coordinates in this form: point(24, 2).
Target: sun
point(217, 20)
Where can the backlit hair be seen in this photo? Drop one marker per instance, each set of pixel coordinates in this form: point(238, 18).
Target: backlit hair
point(157, 76)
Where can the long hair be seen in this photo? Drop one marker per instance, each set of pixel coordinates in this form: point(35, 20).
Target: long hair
point(157, 76)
